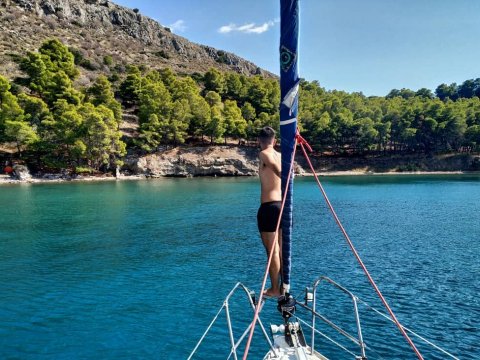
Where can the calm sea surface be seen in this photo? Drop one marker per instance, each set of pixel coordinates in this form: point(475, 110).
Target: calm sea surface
point(136, 270)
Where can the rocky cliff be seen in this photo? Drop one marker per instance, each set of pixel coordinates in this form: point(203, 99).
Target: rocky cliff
point(196, 161)
point(97, 28)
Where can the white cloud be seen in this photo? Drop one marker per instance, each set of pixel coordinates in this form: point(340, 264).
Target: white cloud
point(178, 25)
point(250, 28)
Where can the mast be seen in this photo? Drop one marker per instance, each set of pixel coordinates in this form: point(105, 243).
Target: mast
point(289, 84)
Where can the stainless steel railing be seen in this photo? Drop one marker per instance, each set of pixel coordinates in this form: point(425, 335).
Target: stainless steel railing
point(225, 306)
point(310, 297)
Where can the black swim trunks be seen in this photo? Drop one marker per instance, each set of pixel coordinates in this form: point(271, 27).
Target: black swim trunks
point(267, 216)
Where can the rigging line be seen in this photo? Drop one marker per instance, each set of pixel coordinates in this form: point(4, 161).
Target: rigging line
point(326, 337)
point(257, 309)
point(247, 330)
point(206, 331)
point(410, 331)
point(355, 341)
point(303, 142)
point(331, 324)
point(335, 342)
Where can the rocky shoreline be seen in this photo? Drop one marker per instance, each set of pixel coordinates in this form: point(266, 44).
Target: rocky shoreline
point(6, 180)
point(221, 161)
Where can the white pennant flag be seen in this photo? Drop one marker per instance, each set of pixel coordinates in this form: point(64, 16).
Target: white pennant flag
point(289, 98)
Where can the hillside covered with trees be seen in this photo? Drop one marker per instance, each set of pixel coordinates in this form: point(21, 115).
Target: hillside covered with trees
point(57, 123)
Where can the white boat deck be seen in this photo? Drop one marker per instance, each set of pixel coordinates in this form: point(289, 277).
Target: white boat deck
point(284, 352)
point(296, 350)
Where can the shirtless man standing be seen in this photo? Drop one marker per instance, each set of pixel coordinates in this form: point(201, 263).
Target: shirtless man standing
point(271, 201)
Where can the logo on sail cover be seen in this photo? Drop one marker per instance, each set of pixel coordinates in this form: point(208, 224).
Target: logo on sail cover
point(287, 58)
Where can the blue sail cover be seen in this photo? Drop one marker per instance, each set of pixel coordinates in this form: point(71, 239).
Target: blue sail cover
point(289, 84)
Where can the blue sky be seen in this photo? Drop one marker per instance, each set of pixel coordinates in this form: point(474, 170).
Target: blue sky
point(371, 46)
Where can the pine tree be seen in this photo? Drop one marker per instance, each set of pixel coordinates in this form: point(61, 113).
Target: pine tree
point(62, 130)
point(21, 132)
point(180, 121)
point(214, 81)
point(150, 134)
point(216, 126)
point(213, 99)
point(154, 98)
point(201, 115)
point(131, 86)
point(36, 110)
point(10, 110)
point(248, 111)
point(101, 93)
point(235, 124)
point(101, 136)
point(51, 72)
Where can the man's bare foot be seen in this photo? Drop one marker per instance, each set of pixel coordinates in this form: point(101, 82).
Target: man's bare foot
point(271, 293)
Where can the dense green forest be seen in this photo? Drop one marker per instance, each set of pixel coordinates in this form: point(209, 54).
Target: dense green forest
point(63, 125)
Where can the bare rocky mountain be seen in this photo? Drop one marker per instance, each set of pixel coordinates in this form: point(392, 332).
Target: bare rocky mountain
point(97, 28)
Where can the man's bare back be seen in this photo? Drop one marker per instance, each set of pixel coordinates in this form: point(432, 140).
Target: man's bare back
point(270, 172)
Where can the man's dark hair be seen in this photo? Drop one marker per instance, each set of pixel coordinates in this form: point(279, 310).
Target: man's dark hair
point(267, 134)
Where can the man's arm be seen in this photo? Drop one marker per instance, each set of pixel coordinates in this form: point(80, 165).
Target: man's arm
point(269, 161)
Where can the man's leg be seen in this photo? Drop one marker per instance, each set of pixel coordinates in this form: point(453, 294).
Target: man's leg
point(268, 239)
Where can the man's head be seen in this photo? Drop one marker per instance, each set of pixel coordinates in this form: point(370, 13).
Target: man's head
point(266, 137)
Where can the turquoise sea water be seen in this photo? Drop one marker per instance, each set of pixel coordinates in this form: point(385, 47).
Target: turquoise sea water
point(136, 270)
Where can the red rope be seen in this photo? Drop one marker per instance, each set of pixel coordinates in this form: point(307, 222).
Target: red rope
point(257, 309)
point(304, 143)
